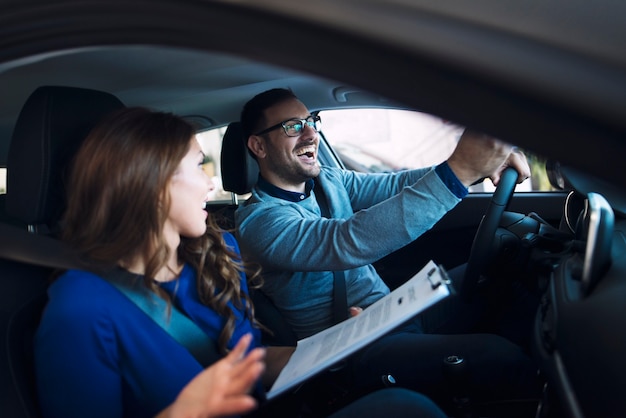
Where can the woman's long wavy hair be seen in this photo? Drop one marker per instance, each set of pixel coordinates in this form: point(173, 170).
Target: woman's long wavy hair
point(118, 202)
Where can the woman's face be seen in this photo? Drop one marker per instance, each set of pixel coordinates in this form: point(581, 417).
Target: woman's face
point(189, 189)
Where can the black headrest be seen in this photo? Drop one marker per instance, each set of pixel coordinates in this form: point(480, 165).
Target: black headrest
point(51, 125)
point(239, 170)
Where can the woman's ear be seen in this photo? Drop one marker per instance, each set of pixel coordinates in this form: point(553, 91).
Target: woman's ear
point(256, 144)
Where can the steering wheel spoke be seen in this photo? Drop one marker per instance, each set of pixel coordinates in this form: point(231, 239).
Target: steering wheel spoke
point(479, 254)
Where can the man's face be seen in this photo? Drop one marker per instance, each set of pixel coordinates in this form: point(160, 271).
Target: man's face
point(287, 161)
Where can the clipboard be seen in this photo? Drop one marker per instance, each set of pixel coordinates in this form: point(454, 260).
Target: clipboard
point(319, 352)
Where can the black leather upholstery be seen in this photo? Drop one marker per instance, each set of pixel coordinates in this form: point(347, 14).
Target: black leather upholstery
point(52, 123)
point(50, 127)
point(23, 298)
point(239, 174)
point(239, 169)
point(5, 218)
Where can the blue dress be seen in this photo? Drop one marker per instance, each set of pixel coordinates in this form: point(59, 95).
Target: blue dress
point(98, 355)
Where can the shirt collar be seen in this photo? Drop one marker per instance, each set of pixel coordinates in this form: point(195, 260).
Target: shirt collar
point(279, 193)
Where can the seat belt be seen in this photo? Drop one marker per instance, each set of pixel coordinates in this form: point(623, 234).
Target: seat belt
point(340, 297)
point(180, 327)
point(24, 247)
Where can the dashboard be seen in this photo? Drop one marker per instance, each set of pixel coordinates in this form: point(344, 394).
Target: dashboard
point(578, 337)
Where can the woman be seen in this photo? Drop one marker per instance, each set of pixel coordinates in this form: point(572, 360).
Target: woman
point(221, 389)
point(136, 199)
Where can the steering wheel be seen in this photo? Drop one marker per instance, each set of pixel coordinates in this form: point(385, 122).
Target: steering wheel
point(479, 254)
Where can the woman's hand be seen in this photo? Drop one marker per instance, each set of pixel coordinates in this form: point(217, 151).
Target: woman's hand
point(223, 388)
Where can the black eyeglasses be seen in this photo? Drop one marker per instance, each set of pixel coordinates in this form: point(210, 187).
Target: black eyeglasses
point(294, 127)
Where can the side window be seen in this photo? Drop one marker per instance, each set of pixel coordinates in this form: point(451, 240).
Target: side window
point(3, 180)
point(211, 144)
point(378, 140)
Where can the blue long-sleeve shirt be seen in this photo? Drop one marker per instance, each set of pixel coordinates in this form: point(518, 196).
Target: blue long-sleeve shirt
point(372, 216)
point(98, 355)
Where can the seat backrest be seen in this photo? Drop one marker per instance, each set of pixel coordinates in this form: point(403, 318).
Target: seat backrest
point(239, 170)
point(50, 127)
point(239, 174)
point(22, 299)
point(5, 218)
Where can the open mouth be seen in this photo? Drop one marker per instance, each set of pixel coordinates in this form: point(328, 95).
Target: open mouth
point(306, 153)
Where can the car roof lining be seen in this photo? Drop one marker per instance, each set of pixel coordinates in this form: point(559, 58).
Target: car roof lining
point(526, 108)
point(207, 86)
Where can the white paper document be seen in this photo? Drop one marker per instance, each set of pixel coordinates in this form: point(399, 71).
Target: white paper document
point(320, 351)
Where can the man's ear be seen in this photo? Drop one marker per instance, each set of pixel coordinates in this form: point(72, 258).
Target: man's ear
point(256, 144)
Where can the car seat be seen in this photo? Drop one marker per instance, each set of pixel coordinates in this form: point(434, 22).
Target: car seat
point(239, 169)
point(51, 125)
point(239, 174)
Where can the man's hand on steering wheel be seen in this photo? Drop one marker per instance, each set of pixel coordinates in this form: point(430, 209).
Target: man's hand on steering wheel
point(478, 156)
point(516, 160)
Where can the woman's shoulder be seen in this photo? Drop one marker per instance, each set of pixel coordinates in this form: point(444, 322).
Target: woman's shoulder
point(231, 242)
point(85, 294)
point(229, 238)
point(74, 282)
point(75, 279)
point(84, 308)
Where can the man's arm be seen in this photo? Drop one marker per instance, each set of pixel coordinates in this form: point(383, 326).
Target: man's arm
point(477, 156)
point(368, 189)
point(293, 236)
point(283, 235)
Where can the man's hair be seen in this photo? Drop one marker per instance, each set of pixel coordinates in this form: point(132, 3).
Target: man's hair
point(253, 113)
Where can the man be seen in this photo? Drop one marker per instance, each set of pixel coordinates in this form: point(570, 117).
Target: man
point(281, 227)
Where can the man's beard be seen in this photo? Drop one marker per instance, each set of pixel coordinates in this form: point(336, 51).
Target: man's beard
point(295, 173)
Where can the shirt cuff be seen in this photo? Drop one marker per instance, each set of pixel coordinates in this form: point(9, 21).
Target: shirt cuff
point(448, 177)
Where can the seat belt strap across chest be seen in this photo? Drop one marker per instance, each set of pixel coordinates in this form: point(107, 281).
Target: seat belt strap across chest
point(23, 247)
point(340, 297)
point(178, 325)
